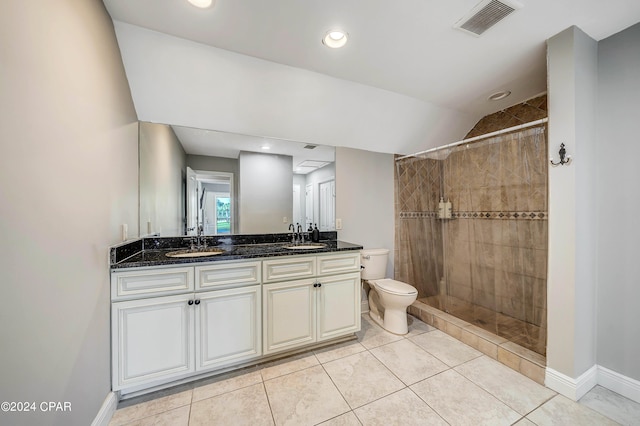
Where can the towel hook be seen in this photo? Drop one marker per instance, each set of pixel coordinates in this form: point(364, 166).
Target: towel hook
point(564, 158)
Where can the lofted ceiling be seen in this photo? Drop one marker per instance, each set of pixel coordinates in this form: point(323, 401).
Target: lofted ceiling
point(408, 48)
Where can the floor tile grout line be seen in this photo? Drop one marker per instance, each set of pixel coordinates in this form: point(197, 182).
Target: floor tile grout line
point(156, 413)
point(496, 396)
point(229, 391)
point(266, 394)
point(336, 386)
point(427, 404)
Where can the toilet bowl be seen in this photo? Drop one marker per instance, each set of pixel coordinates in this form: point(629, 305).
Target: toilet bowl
point(388, 299)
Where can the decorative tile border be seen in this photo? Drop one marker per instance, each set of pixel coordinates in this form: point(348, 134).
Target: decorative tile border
point(516, 215)
point(418, 215)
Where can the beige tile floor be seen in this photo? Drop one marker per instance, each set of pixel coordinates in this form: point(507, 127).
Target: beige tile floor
point(423, 378)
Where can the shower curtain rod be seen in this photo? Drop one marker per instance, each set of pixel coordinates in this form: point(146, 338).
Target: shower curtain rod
point(475, 138)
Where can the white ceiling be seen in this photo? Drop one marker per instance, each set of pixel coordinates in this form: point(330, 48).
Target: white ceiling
point(407, 47)
point(306, 157)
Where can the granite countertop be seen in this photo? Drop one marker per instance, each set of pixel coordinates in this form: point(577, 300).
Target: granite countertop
point(154, 254)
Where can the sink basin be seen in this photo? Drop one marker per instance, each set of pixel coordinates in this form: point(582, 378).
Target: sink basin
point(314, 246)
point(195, 253)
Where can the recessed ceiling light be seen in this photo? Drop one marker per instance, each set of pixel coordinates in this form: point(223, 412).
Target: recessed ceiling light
point(499, 95)
point(203, 4)
point(266, 147)
point(335, 39)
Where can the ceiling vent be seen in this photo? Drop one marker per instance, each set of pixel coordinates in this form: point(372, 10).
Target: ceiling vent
point(485, 15)
point(310, 146)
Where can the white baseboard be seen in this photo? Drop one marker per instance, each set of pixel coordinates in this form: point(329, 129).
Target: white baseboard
point(106, 411)
point(571, 388)
point(623, 385)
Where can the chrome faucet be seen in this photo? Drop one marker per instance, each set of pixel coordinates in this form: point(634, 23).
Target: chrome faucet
point(293, 233)
point(300, 234)
point(202, 240)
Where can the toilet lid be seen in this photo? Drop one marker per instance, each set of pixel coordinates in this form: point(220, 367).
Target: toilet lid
point(395, 287)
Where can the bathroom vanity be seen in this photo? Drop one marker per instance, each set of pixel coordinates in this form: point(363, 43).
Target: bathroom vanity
point(179, 318)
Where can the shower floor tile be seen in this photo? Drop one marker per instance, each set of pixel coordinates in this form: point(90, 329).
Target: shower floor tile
point(525, 334)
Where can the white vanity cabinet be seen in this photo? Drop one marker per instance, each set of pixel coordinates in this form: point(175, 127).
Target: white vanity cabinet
point(298, 310)
point(157, 338)
point(171, 323)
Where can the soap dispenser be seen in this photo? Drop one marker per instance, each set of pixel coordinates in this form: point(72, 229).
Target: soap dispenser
point(315, 235)
point(441, 208)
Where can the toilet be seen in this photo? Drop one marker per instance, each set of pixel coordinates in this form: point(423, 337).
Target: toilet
point(388, 299)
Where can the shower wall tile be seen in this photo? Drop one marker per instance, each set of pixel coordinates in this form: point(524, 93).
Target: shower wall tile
point(461, 290)
point(484, 298)
point(511, 259)
point(458, 230)
point(530, 110)
point(461, 273)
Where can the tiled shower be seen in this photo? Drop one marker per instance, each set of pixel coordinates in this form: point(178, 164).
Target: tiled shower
point(487, 264)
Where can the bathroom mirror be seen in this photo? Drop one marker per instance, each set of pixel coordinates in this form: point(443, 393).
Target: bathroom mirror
point(228, 183)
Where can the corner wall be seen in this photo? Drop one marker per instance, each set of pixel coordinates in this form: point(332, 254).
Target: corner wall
point(68, 180)
point(571, 283)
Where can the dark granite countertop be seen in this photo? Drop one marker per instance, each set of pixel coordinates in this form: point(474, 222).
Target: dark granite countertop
point(152, 252)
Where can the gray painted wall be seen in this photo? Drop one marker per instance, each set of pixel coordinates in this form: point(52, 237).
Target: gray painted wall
point(68, 174)
point(162, 173)
point(364, 199)
point(618, 203)
point(265, 192)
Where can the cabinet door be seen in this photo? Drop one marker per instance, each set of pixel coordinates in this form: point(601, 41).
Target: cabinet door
point(338, 305)
point(289, 311)
point(152, 340)
point(228, 326)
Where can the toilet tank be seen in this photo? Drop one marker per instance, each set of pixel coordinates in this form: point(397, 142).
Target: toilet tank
point(374, 262)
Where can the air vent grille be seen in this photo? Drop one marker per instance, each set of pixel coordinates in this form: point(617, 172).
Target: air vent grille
point(310, 146)
point(486, 14)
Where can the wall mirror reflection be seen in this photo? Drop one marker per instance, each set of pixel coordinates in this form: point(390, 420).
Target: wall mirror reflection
point(225, 183)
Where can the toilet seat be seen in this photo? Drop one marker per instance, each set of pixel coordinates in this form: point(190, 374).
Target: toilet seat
point(395, 287)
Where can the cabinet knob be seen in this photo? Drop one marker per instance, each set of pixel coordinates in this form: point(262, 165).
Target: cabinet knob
point(319, 284)
point(197, 301)
point(190, 302)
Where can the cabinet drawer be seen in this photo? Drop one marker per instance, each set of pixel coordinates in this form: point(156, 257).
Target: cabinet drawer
point(288, 268)
point(226, 275)
point(339, 263)
point(151, 282)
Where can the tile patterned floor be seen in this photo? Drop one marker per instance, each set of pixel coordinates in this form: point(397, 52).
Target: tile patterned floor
point(425, 377)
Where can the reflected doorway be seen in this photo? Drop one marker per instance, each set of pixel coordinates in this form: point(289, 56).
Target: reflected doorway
point(328, 205)
point(209, 202)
